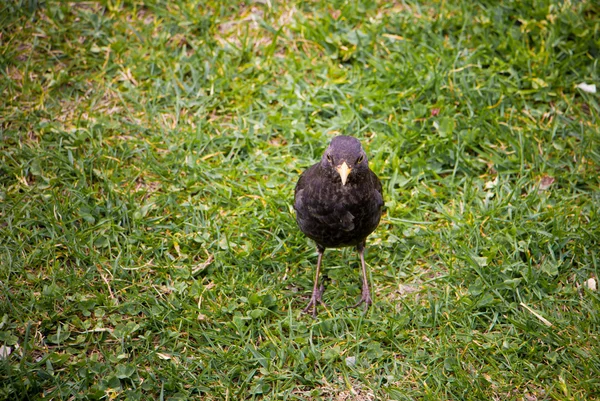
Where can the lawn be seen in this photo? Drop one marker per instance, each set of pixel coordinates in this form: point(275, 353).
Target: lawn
point(148, 157)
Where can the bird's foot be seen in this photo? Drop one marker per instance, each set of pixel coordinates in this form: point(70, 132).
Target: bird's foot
point(315, 299)
point(364, 299)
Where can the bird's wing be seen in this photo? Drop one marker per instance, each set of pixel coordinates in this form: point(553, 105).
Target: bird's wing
point(378, 188)
point(303, 182)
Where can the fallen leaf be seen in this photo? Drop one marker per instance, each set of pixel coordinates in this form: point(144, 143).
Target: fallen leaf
point(492, 184)
point(589, 88)
point(591, 284)
point(546, 182)
point(5, 351)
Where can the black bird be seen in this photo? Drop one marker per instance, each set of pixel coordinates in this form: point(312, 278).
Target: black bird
point(338, 203)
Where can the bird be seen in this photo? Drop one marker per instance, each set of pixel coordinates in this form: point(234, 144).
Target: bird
point(338, 203)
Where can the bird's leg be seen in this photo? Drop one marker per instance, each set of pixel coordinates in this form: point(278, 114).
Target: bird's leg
point(366, 293)
point(317, 292)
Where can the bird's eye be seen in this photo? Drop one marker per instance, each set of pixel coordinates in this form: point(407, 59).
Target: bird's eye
point(329, 158)
point(360, 159)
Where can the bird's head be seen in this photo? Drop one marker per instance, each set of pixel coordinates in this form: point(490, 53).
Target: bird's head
point(346, 157)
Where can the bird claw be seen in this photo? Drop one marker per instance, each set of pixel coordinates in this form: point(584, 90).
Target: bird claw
point(314, 300)
point(364, 299)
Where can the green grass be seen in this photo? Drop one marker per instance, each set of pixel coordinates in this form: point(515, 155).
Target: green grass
point(148, 155)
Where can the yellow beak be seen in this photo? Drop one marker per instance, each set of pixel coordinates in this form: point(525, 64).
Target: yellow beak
point(343, 171)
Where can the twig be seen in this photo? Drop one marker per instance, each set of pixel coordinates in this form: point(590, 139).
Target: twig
point(543, 319)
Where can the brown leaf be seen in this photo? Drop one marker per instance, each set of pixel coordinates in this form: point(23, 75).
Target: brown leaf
point(335, 14)
point(546, 182)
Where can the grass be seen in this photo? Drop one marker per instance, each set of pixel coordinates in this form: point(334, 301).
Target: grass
point(148, 155)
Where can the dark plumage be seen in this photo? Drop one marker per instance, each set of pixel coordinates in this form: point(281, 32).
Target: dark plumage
point(338, 203)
